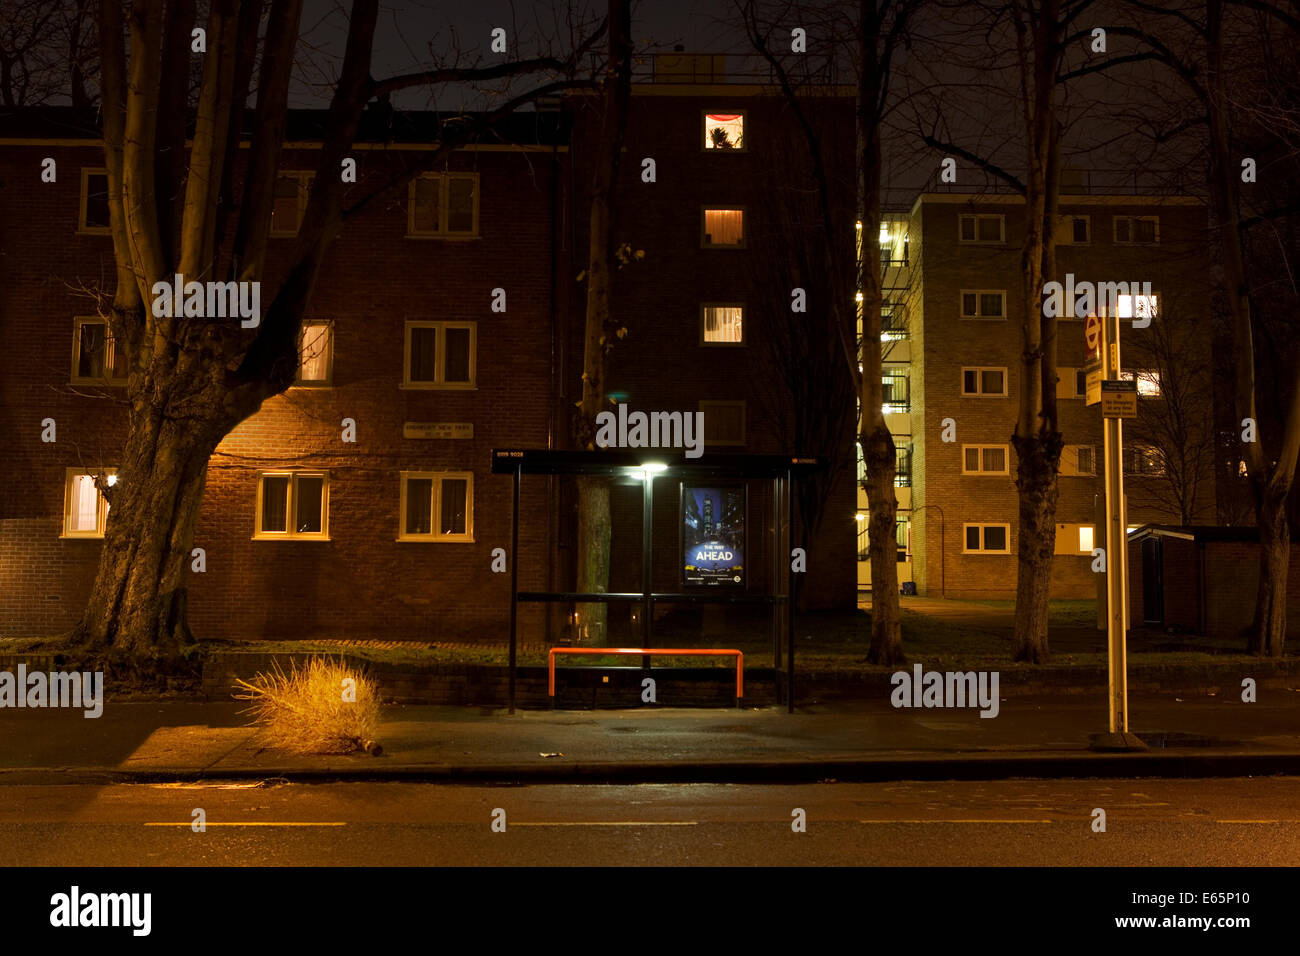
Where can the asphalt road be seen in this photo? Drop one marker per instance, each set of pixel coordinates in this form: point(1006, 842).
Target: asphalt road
point(1223, 822)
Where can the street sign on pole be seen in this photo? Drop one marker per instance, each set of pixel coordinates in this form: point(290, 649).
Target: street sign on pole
point(1116, 535)
point(1092, 343)
point(1119, 399)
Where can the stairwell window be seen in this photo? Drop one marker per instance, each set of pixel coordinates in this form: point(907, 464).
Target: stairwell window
point(724, 228)
point(722, 325)
point(437, 506)
point(292, 505)
point(724, 131)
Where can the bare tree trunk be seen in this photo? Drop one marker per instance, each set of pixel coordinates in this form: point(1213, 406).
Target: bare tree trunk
point(598, 334)
point(138, 602)
point(1037, 437)
point(1268, 632)
point(878, 449)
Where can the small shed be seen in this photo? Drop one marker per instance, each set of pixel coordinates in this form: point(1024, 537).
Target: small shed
point(1201, 579)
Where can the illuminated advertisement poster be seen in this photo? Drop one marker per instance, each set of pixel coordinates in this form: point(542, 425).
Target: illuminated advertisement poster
point(713, 535)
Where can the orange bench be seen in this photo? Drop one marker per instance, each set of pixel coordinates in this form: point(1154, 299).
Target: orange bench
point(674, 651)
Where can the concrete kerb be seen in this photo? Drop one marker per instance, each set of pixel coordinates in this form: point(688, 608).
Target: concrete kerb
point(964, 766)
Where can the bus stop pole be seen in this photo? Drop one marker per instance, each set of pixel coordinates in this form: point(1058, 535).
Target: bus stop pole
point(789, 590)
point(647, 524)
point(514, 586)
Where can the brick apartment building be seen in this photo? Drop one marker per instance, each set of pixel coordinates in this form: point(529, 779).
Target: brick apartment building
point(951, 348)
point(306, 534)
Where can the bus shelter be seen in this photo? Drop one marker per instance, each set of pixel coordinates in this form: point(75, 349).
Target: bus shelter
point(704, 487)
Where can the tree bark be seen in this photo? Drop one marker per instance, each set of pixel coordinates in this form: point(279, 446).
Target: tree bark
point(599, 332)
point(138, 602)
point(1268, 630)
point(1037, 437)
point(878, 450)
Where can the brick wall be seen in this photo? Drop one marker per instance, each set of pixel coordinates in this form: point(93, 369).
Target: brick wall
point(949, 343)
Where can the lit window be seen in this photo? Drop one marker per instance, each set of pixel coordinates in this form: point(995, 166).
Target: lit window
point(1148, 383)
point(85, 509)
point(984, 459)
point(437, 506)
point(724, 423)
point(94, 202)
point(290, 201)
point(981, 228)
point(894, 393)
point(724, 130)
point(1074, 539)
point(723, 325)
point(724, 227)
point(293, 505)
point(1137, 230)
point(986, 539)
point(98, 358)
point(984, 381)
point(902, 466)
point(983, 304)
point(443, 205)
point(316, 354)
point(1141, 307)
point(440, 354)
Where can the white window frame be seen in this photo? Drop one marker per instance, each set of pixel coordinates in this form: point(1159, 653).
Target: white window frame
point(744, 227)
point(82, 228)
point(441, 370)
point(328, 380)
point(744, 132)
point(983, 525)
point(1006, 460)
point(435, 505)
point(979, 381)
point(977, 317)
point(744, 339)
point(975, 217)
point(1070, 454)
point(304, 177)
point(78, 323)
point(1131, 241)
point(444, 206)
point(101, 515)
point(291, 505)
point(704, 407)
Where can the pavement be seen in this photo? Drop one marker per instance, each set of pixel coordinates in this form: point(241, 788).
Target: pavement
point(1033, 736)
